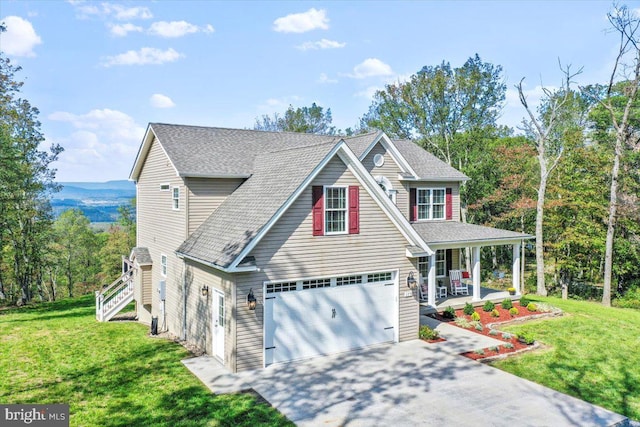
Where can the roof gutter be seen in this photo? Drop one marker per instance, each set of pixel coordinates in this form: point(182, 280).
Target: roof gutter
point(182, 255)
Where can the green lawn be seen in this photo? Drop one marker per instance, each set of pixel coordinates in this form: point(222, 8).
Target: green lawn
point(593, 353)
point(111, 374)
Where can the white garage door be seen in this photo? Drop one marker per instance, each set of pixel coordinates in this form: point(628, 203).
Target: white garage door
point(323, 316)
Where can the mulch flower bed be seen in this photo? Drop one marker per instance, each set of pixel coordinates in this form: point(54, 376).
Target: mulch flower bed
point(490, 322)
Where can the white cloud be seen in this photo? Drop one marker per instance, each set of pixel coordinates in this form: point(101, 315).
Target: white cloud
point(321, 44)
point(325, 79)
point(158, 100)
point(371, 67)
point(96, 145)
point(177, 29)
point(302, 22)
point(20, 38)
point(125, 13)
point(146, 55)
point(369, 92)
point(117, 11)
point(279, 104)
point(121, 30)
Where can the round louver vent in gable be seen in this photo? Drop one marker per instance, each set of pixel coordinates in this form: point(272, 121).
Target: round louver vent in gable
point(378, 160)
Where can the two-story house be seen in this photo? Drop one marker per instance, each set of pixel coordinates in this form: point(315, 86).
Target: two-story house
point(265, 247)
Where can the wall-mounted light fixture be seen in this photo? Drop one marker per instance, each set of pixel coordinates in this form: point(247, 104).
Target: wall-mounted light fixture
point(204, 290)
point(411, 281)
point(251, 300)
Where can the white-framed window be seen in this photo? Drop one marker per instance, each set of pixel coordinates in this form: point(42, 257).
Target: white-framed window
point(165, 187)
point(441, 265)
point(335, 210)
point(175, 198)
point(163, 265)
point(431, 203)
point(387, 187)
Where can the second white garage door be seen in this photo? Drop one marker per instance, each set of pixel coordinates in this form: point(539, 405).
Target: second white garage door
point(323, 316)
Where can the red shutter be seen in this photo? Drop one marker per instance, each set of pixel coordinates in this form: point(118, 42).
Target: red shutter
point(354, 209)
point(317, 193)
point(413, 204)
point(448, 204)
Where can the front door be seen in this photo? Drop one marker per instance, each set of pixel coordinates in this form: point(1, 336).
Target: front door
point(218, 324)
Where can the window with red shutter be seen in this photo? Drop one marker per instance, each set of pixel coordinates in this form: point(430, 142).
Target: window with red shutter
point(354, 209)
point(318, 210)
point(413, 205)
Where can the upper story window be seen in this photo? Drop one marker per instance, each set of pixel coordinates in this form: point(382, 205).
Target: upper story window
point(163, 265)
point(431, 203)
point(387, 187)
point(175, 196)
point(335, 209)
point(164, 187)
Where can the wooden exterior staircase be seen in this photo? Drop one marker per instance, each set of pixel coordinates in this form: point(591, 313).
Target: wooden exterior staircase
point(112, 299)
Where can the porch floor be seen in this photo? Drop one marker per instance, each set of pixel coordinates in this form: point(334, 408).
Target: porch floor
point(458, 301)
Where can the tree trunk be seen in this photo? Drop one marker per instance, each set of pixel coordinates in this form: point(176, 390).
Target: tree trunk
point(540, 289)
point(611, 228)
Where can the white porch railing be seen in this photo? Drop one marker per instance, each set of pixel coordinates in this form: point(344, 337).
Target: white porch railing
point(117, 295)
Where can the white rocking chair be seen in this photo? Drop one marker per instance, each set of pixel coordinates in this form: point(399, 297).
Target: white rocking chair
point(457, 285)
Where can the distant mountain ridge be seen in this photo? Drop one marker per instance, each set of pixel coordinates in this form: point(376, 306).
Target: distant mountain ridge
point(100, 190)
point(99, 201)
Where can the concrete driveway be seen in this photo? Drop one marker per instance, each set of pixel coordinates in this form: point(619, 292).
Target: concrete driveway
point(407, 384)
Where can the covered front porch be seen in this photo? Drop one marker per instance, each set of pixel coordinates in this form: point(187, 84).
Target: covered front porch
point(458, 301)
point(447, 239)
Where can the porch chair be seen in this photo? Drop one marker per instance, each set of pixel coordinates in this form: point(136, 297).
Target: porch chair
point(457, 285)
point(423, 291)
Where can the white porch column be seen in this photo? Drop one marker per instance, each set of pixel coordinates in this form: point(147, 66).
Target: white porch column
point(431, 281)
point(516, 267)
point(475, 262)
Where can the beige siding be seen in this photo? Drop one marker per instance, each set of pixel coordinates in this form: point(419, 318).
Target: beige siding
point(162, 229)
point(200, 309)
point(290, 250)
point(146, 294)
point(389, 170)
point(205, 195)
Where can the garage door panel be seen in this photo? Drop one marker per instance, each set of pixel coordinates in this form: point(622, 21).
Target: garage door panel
point(306, 323)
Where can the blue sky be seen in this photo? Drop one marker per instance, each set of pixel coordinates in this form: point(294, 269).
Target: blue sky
point(101, 71)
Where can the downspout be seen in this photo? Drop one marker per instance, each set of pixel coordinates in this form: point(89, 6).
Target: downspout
point(184, 301)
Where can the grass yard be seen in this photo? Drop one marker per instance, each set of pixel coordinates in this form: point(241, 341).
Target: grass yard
point(111, 374)
point(593, 354)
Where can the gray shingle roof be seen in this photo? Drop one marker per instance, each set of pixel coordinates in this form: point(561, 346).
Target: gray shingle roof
point(456, 232)
point(276, 176)
point(426, 165)
point(209, 151)
point(142, 255)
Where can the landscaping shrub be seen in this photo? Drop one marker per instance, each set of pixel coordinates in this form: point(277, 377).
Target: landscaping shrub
point(507, 345)
point(479, 326)
point(526, 337)
point(631, 299)
point(468, 309)
point(545, 308)
point(426, 333)
point(475, 316)
point(524, 301)
point(495, 313)
point(449, 313)
point(488, 306)
point(514, 311)
point(494, 348)
point(493, 332)
point(506, 304)
point(532, 306)
point(480, 352)
point(462, 322)
point(506, 336)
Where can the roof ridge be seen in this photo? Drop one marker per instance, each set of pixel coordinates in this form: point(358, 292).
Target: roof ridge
point(247, 130)
point(302, 147)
